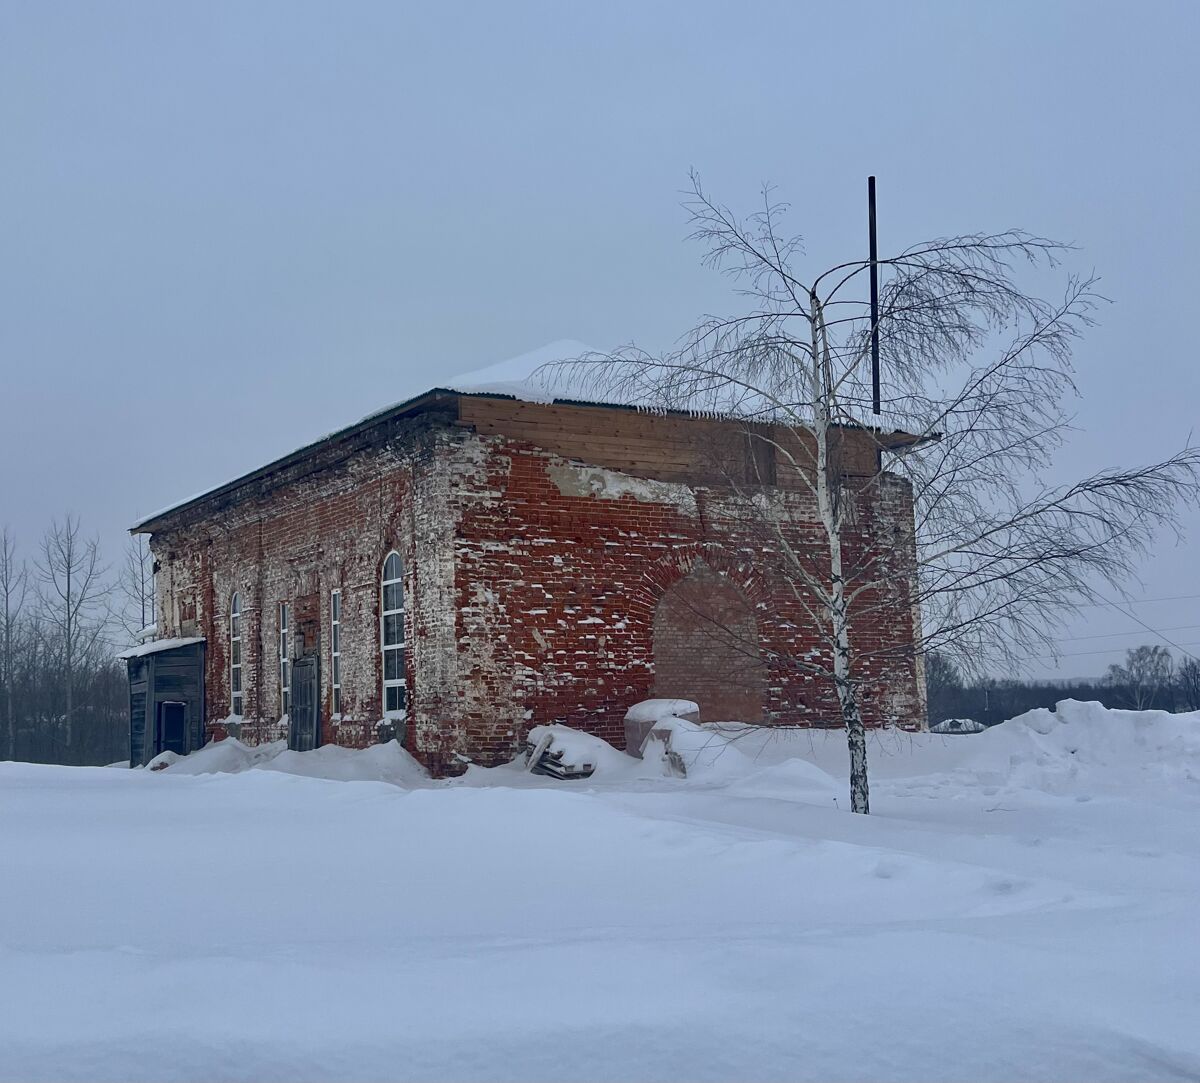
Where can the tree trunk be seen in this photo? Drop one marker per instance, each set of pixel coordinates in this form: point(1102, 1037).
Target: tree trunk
point(829, 505)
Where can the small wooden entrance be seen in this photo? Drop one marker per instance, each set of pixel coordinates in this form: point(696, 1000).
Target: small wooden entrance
point(166, 698)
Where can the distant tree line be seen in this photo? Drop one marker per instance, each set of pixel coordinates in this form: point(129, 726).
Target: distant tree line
point(1149, 679)
point(64, 615)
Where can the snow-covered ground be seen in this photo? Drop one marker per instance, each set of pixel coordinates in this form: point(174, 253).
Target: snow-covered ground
point(1022, 904)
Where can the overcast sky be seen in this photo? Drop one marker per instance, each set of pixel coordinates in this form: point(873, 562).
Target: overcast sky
point(228, 228)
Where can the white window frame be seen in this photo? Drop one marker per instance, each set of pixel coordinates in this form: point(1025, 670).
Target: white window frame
point(335, 651)
point(401, 682)
point(285, 659)
point(237, 693)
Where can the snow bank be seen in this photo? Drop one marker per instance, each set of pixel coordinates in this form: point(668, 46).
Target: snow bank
point(1088, 744)
point(377, 763)
point(1075, 749)
point(218, 757)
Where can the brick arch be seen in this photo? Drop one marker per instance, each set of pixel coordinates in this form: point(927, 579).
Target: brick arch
point(706, 645)
point(677, 565)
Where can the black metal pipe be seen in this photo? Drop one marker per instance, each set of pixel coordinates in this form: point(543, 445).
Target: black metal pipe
point(875, 402)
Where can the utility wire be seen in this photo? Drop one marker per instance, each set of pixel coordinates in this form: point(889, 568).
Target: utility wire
point(1117, 635)
point(1115, 650)
point(1166, 639)
point(1138, 601)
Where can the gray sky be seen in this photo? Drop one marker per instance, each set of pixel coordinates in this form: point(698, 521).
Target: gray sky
point(228, 228)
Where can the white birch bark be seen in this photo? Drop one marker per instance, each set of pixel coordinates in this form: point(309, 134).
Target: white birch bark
point(830, 507)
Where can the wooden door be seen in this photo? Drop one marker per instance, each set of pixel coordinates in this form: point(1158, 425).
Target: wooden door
point(304, 728)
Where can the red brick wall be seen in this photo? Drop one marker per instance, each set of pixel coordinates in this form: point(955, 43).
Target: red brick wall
point(532, 588)
point(294, 545)
point(560, 570)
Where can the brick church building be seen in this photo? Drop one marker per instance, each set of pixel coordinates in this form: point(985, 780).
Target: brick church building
point(470, 563)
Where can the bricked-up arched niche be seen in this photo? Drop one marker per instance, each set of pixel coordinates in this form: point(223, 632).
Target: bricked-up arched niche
point(706, 648)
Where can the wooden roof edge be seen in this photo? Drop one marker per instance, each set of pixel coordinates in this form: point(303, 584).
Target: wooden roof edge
point(428, 400)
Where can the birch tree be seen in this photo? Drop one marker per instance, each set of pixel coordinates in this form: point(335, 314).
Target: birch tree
point(976, 353)
point(135, 588)
point(72, 599)
point(1146, 676)
point(14, 580)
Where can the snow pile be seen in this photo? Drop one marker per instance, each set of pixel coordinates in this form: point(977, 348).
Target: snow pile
point(376, 763)
point(1088, 744)
point(225, 757)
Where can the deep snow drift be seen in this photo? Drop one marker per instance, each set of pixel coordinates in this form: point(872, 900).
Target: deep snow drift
point(1021, 905)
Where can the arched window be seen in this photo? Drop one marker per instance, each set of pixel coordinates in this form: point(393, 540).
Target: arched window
point(391, 631)
point(235, 655)
point(285, 659)
point(335, 650)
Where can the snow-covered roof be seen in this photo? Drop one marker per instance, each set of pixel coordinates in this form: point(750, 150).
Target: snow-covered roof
point(526, 377)
point(517, 378)
point(531, 377)
point(156, 645)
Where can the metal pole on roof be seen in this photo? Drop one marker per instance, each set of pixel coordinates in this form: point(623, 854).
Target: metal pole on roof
point(874, 296)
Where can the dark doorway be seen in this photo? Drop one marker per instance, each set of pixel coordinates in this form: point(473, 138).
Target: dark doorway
point(172, 728)
point(304, 730)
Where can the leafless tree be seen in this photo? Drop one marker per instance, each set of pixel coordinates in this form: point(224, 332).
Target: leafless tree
point(135, 588)
point(1187, 681)
point(73, 597)
point(1145, 678)
point(14, 580)
point(978, 371)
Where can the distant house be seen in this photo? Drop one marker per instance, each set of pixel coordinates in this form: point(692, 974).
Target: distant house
point(473, 562)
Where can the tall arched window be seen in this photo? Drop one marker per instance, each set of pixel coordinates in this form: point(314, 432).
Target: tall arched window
point(235, 654)
point(285, 658)
point(391, 631)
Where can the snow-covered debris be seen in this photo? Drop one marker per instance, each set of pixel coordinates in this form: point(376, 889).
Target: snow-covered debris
point(686, 750)
point(652, 710)
point(563, 752)
point(957, 725)
point(641, 718)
